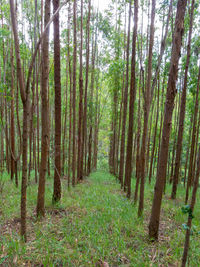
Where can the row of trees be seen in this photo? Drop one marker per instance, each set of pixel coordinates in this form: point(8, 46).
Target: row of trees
point(97, 74)
point(35, 134)
point(160, 84)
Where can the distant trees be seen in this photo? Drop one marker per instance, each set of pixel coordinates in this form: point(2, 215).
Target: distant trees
point(86, 144)
point(94, 96)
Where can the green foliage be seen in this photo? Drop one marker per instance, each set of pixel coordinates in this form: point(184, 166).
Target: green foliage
point(4, 33)
point(187, 209)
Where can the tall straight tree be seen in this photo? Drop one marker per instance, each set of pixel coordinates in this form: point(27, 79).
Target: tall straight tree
point(147, 105)
point(192, 147)
point(182, 110)
point(80, 147)
point(190, 217)
point(133, 88)
point(12, 122)
point(125, 103)
point(57, 84)
point(84, 122)
point(74, 97)
point(44, 114)
point(169, 106)
point(24, 92)
point(91, 110)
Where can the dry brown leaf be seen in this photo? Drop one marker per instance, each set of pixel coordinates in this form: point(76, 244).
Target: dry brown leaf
point(15, 259)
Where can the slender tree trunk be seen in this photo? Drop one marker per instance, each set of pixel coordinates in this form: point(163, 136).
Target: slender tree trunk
point(25, 100)
point(176, 115)
point(155, 134)
point(74, 97)
point(96, 129)
point(191, 160)
point(70, 97)
point(65, 122)
point(169, 105)
point(84, 123)
point(182, 110)
point(12, 120)
point(138, 139)
point(44, 115)
point(125, 103)
point(80, 147)
point(147, 104)
point(57, 82)
point(90, 140)
point(133, 88)
point(190, 216)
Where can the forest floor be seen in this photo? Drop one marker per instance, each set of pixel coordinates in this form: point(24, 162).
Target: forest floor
point(94, 225)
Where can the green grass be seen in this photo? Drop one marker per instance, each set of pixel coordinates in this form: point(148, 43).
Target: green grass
point(94, 222)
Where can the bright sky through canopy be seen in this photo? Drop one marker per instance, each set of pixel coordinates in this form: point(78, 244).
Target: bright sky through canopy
point(102, 4)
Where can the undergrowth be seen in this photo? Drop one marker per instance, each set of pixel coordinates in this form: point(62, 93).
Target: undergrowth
point(93, 225)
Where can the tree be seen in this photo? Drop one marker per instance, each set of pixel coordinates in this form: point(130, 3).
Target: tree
point(74, 99)
point(190, 213)
point(169, 106)
point(133, 87)
point(182, 110)
point(57, 82)
point(24, 92)
point(147, 105)
point(125, 103)
point(45, 138)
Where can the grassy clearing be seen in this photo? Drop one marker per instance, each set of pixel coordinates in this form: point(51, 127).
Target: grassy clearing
point(94, 223)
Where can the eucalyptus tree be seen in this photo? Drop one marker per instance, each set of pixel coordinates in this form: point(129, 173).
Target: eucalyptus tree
point(125, 104)
point(45, 139)
point(133, 88)
point(57, 82)
point(169, 106)
point(182, 108)
point(147, 105)
point(24, 92)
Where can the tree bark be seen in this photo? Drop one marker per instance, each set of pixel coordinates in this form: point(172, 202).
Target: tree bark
point(125, 103)
point(190, 216)
point(147, 105)
point(191, 160)
point(57, 84)
point(44, 115)
point(74, 97)
point(25, 98)
point(133, 88)
point(169, 106)
point(182, 110)
point(80, 147)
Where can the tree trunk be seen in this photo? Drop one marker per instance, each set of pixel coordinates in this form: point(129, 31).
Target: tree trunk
point(12, 121)
point(147, 105)
point(80, 147)
point(190, 216)
point(74, 98)
point(133, 88)
point(84, 123)
point(191, 160)
point(25, 101)
point(182, 111)
point(169, 106)
point(57, 84)
point(44, 115)
point(125, 103)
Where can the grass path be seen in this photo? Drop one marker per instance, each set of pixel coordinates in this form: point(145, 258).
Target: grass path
point(94, 225)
